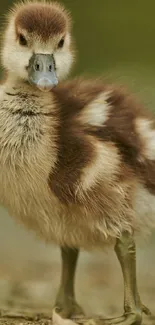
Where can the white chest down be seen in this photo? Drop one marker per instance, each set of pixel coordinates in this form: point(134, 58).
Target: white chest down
point(25, 164)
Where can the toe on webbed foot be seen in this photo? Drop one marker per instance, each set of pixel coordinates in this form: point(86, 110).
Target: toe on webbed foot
point(68, 309)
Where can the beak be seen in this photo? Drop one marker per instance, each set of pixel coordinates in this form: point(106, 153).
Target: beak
point(41, 71)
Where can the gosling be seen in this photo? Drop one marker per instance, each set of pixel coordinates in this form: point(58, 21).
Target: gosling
point(77, 160)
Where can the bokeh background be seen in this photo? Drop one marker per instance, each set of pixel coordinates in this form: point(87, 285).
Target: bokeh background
point(116, 39)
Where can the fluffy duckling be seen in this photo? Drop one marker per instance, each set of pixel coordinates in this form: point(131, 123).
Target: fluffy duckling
point(77, 162)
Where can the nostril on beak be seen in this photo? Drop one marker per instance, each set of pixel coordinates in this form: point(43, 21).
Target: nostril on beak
point(37, 67)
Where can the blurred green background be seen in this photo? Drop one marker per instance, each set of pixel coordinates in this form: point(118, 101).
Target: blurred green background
point(115, 39)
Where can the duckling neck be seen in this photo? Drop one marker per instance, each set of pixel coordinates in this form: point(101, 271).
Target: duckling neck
point(12, 83)
point(24, 96)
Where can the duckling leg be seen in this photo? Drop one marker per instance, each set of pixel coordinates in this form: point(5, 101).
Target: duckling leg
point(65, 302)
point(125, 249)
point(126, 252)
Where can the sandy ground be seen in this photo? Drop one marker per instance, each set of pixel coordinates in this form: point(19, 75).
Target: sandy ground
point(30, 272)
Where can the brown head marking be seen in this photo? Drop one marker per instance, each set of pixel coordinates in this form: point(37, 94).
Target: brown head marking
point(43, 19)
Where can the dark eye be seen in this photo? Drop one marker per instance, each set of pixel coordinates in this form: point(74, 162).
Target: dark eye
point(22, 40)
point(61, 43)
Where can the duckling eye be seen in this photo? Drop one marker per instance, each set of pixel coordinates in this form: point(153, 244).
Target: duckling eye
point(61, 43)
point(22, 40)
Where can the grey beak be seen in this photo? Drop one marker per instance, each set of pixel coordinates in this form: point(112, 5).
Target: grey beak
point(41, 71)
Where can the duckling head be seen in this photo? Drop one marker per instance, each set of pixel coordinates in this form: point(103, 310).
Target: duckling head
point(37, 44)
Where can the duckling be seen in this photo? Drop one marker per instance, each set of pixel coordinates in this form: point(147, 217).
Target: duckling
point(77, 162)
